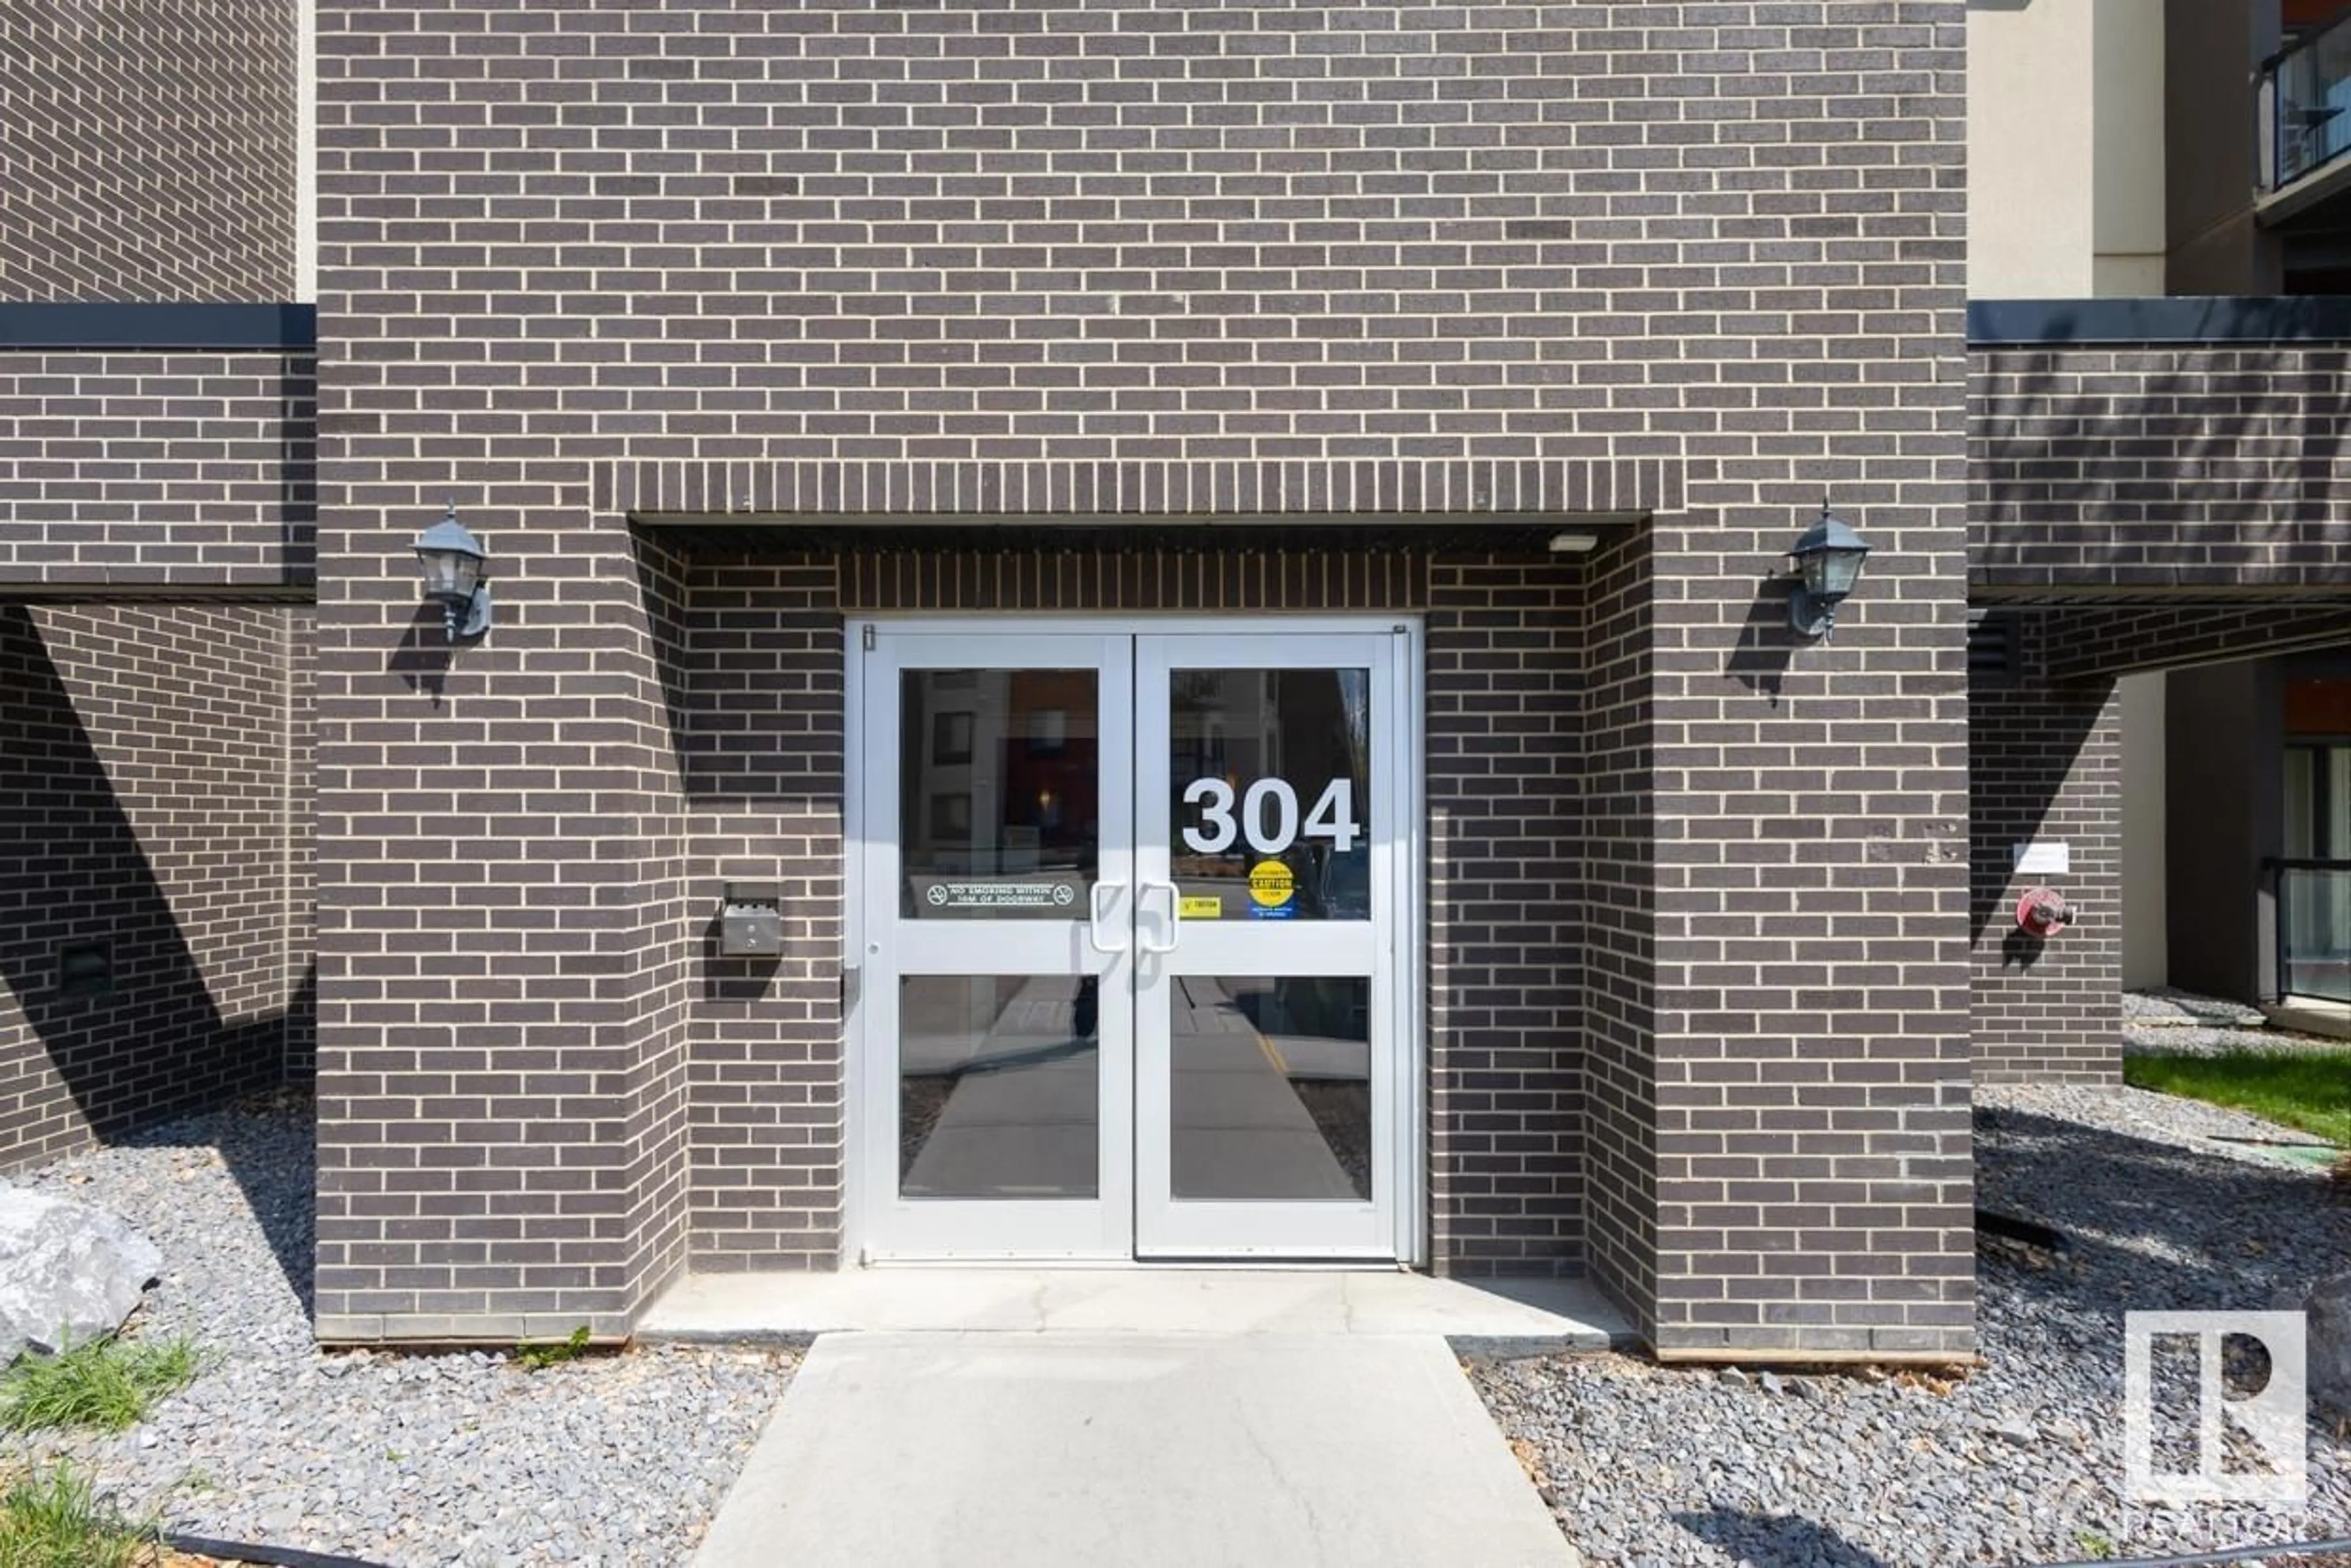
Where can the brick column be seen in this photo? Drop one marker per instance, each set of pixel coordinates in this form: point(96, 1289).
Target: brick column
point(1809, 982)
point(503, 928)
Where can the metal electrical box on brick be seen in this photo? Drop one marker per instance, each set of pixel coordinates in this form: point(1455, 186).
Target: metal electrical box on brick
point(751, 921)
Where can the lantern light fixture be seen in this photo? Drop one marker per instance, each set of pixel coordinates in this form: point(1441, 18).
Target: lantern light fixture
point(1826, 563)
point(455, 575)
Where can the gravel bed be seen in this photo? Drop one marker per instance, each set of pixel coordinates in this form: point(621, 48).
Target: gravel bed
point(2180, 1040)
point(2163, 1005)
point(410, 1460)
point(2170, 1119)
point(2184, 1024)
point(2020, 1462)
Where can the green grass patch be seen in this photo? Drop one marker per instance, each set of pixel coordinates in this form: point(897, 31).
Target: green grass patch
point(55, 1521)
point(104, 1382)
point(2306, 1090)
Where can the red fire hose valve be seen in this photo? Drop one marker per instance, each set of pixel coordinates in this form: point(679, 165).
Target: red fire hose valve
point(2043, 912)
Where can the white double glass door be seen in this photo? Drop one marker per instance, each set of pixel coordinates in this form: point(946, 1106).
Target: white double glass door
point(1132, 905)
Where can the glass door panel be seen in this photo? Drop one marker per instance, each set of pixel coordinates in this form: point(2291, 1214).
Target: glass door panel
point(1270, 1087)
point(2315, 934)
point(1269, 798)
point(999, 799)
point(996, 997)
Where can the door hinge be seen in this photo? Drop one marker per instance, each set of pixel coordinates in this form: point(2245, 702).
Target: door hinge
point(869, 636)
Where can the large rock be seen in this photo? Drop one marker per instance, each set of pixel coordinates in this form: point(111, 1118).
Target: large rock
point(2329, 1310)
point(67, 1272)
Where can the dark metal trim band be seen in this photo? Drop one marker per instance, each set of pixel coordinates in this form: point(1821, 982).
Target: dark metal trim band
point(283, 329)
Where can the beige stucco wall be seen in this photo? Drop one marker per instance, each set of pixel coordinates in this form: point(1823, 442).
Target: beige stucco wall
point(2146, 959)
point(2029, 139)
point(2065, 138)
point(2126, 112)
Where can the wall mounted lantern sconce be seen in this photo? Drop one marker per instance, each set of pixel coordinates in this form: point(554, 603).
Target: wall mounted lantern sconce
point(1826, 564)
point(454, 560)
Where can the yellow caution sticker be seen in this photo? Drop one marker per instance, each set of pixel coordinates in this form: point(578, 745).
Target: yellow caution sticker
point(1270, 884)
point(1191, 906)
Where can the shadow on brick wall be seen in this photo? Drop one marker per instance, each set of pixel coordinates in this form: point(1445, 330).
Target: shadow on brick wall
point(1759, 659)
point(2220, 463)
point(106, 1021)
point(2024, 755)
point(422, 656)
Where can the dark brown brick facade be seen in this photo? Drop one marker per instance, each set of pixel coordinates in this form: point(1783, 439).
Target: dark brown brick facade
point(139, 471)
point(761, 735)
point(148, 814)
point(796, 264)
point(156, 515)
point(148, 150)
point(1506, 820)
point(2134, 506)
point(1698, 1009)
point(2044, 764)
point(2205, 467)
point(1617, 911)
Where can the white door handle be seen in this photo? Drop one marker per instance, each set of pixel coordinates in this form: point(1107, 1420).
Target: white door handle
point(1096, 913)
point(1144, 943)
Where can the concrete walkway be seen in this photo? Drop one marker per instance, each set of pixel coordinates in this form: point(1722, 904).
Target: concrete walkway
point(1190, 1451)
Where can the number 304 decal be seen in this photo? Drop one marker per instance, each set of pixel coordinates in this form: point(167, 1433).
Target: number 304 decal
point(1268, 816)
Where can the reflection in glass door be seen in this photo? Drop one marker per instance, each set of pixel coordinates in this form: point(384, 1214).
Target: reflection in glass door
point(1268, 800)
point(995, 999)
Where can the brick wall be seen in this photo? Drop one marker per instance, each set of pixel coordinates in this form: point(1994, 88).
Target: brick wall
point(148, 150)
point(1814, 1180)
point(1505, 825)
point(500, 1029)
point(1617, 915)
point(657, 1075)
point(144, 792)
point(763, 730)
point(1222, 257)
point(2159, 465)
point(174, 470)
point(157, 782)
point(2044, 763)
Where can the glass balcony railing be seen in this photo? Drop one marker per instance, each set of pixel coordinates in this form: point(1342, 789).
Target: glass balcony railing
point(2305, 106)
point(2313, 929)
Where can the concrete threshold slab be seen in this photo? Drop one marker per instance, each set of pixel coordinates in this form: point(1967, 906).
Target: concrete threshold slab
point(1145, 1450)
point(1488, 1317)
point(2309, 1015)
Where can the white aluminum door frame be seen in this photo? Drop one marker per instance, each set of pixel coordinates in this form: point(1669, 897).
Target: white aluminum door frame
point(1169, 949)
point(888, 948)
point(870, 1089)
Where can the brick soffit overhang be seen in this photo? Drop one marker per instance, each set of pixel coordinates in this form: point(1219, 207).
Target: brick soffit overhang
point(985, 505)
